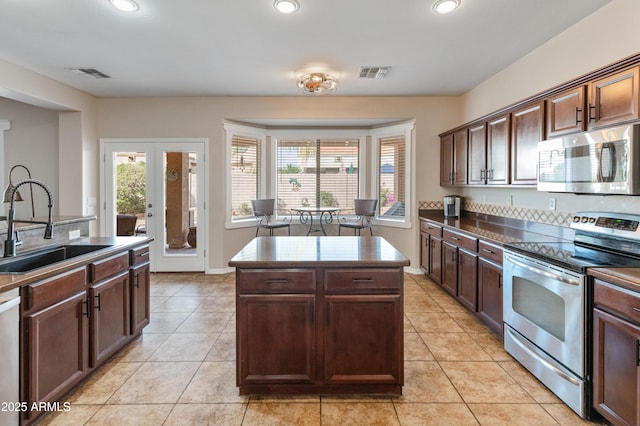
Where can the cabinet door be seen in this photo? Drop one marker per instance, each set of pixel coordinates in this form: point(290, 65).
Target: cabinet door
point(527, 129)
point(477, 155)
point(468, 279)
point(424, 252)
point(276, 338)
point(498, 133)
point(446, 160)
point(460, 157)
point(435, 259)
point(140, 281)
point(363, 339)
point(614, 99)
point(566, 112)
point(450, 268)
point(616, 375)
point(490, 294)
point(54, 347)
point(110, 322)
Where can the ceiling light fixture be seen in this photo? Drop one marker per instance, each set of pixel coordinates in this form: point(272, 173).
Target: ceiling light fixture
point(286, 6)
point(317, 83)
point(125, 5)
point(445, 6)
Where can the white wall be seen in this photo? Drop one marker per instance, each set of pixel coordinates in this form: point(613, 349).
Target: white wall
point(31, 141)
point(608, 35)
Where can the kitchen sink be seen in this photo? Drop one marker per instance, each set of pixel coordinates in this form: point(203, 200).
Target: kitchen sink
point(29, 261)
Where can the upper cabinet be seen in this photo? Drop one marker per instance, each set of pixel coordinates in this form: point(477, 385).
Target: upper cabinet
point(498, 150)
point(453, 158)
point(501, 148)
point(614, 99)
point(527, 129)
point(566, 112)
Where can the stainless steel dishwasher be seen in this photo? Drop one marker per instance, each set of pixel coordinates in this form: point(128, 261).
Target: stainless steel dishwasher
point(9, 357)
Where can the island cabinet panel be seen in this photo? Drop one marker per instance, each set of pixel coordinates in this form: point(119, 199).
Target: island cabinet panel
point(276, 339)
point(319, 330)
point(369, 349)
point(140, 297)
point(616, 354)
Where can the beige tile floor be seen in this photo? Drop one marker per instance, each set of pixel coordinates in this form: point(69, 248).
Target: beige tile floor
point(181, 371)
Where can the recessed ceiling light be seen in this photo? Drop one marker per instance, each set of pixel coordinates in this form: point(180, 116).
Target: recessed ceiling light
point(445, 6)
point(125, 5)
point(286, 6)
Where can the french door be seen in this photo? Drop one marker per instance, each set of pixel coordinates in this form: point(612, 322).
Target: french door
point(156, 188)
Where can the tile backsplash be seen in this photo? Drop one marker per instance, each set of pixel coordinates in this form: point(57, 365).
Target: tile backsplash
point(533, 215)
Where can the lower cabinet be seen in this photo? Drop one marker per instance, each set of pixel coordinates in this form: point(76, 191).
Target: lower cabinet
point(449, 280)
point(140, 289)
point(490, 294)
point(70, 324)
point(616, 354)
point(468, 279)
point(319, 330)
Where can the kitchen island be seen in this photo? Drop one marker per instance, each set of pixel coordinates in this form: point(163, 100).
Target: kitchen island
point(319, 315)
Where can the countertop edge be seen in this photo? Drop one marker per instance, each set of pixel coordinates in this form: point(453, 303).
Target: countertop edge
point(117, 244)
point(628, 278)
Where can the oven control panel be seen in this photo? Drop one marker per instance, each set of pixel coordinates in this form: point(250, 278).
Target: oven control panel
point(608, 223)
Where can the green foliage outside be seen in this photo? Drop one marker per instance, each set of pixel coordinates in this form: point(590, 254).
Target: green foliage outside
point(131, 187)
point(290, 169)
point(327, 199)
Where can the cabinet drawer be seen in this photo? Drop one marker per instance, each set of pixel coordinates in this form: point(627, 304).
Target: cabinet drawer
point(49, 291)
point(617, 299)
point(276, 280)
point(105, 268)
point(365, 279)
point(431, 228)
point(139, 255)
point(490, 252)
point(460, 240)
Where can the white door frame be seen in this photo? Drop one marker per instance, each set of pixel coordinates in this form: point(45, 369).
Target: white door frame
point(152, 147)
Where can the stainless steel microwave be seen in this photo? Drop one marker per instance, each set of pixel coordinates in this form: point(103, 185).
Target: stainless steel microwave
point(602, 162)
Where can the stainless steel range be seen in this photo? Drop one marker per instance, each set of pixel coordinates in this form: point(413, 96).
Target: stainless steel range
point(547, 300)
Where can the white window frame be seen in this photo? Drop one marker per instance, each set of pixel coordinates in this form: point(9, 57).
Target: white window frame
point(251, 132)
point(406, 129)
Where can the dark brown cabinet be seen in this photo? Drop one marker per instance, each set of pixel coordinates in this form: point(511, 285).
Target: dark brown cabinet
point(477, 154)
point(319, 330)
point(140, 289)
point(527, 129)
point(431, 250)
point(490, 286)
point(54, 330)
point(614, 99)
point(616, 356)
point(468, 279)
point(498, 141)
point(71, 323)
point(453, 158)
point(566, 112)
point(449, 268)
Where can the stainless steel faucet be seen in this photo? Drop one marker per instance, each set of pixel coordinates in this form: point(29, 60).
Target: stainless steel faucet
point(10, 244)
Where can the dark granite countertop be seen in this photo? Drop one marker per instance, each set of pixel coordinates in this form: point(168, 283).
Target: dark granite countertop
point(500, 230)
point(343, 251)
point(628, 278)
point(10, 281)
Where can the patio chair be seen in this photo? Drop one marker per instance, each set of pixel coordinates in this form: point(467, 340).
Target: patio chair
point(365, 212)
point(263, 210)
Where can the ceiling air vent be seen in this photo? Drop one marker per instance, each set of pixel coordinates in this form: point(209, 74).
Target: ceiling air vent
point(373, 72)
point(88, 72)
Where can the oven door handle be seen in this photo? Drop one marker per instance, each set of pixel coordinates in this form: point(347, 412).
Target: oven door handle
point(535, 270)
point(543, 361)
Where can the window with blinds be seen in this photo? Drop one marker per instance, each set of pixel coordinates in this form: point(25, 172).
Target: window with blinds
point(392, 176)
point(317, 173)
point(245, 175)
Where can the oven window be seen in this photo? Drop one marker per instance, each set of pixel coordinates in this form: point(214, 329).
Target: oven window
point(539, 305)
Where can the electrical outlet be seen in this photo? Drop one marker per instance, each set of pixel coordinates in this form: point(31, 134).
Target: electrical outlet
point(552, 203)
point(74, 234)
point(510, 200)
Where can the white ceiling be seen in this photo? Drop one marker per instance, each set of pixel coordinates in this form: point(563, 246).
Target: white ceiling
point(246, 48)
